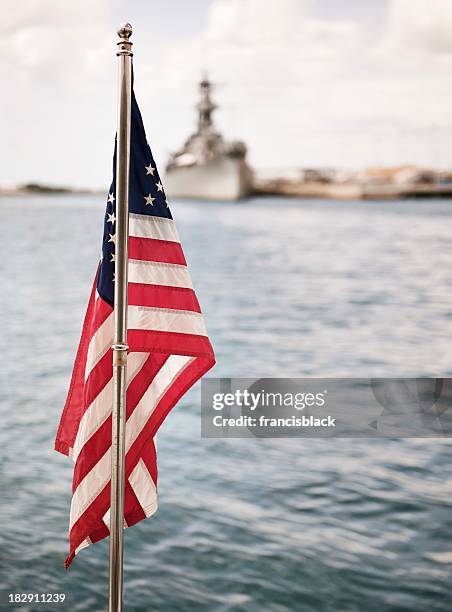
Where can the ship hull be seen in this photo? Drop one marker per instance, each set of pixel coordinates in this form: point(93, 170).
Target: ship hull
point(223, 178)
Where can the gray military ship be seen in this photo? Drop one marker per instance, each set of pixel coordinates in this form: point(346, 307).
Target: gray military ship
point(207, 166)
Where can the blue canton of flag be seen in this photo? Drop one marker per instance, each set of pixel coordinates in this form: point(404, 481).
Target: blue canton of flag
point(146, 197)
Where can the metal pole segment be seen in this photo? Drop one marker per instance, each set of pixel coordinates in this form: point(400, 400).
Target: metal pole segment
point(119, 346)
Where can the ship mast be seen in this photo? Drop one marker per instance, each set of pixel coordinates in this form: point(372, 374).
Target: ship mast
point(205, 107)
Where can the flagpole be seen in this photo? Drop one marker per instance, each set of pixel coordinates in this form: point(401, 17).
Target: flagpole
point(119, 346)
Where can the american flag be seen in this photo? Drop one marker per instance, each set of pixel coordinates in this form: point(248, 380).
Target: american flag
point(168, 352)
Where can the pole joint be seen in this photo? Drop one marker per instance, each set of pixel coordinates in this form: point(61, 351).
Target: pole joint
point(120, 354)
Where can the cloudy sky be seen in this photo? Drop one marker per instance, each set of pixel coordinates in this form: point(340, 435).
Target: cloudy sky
point(304, 82)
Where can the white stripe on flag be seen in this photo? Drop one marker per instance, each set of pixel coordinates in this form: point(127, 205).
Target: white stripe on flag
point(146, 226)
point(166, 320)
point(157, 273)
point(106, 520)
point(83, 545)
point(90, 487)
point(99, 344)
point(144, 488)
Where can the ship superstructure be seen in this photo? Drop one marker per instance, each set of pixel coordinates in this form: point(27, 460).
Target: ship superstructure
point(208, 166)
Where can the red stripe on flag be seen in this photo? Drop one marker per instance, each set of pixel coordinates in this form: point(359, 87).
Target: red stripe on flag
point(149, 456)
point(160, 296)
point(169, 342)
point(75, 406)
point(149, 249)
point(142, 380)
point(98, 378)
point(132, 507)
point(101, 312)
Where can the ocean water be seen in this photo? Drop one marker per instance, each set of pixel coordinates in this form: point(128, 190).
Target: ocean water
point(289, 288)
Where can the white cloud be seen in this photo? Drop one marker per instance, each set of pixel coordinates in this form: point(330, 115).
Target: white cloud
point(54, 57)
point(331, 90)
point(421, 27)
point(42, 39)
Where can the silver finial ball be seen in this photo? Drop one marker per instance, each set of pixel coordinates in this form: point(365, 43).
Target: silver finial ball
point(125, 30)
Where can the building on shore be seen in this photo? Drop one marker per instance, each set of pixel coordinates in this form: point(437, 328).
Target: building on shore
point(207, 166)
point(374, 183)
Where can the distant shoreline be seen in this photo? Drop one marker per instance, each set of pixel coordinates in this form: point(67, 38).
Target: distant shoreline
point(41, 188)
point(290, 188)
